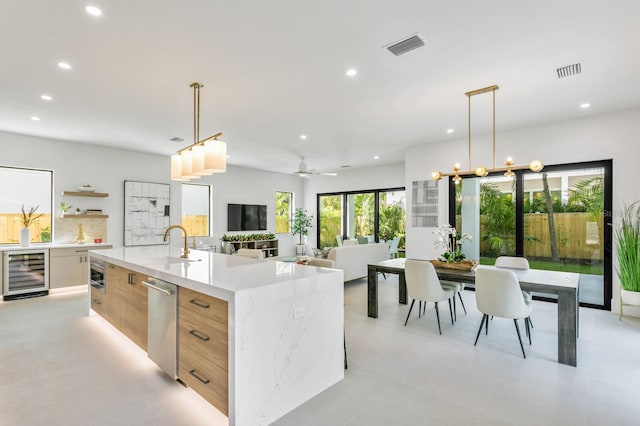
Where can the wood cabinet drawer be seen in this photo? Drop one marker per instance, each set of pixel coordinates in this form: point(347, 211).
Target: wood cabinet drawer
point(208, 379)
point(207, 306)
point(97, 301)
point(206, 337)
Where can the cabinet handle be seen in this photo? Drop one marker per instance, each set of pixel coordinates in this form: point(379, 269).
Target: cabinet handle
point(195, 302)
point(131, 279)
point(97, 302)
point(80, 259)
point(203, 381)
point(199, 335)
point(112, 266)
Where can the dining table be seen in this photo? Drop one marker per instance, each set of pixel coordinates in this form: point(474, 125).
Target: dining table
point(565, 285)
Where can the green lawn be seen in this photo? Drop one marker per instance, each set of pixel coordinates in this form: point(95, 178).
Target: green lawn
point(554, 266)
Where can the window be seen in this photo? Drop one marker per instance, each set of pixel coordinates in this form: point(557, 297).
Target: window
point(558, 219)
point(374, 215)
point(196, 209)
point(28, 188)
point(284, 212)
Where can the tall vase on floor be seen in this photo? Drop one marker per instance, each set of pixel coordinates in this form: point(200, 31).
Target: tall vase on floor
point(25, 237)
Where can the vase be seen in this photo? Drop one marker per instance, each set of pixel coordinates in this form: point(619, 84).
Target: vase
point(25, 237)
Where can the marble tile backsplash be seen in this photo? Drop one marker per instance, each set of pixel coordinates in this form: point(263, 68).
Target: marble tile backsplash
point(66, 230)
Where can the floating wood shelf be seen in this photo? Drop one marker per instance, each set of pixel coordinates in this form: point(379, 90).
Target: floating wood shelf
point(85, 194)
point(86, 216)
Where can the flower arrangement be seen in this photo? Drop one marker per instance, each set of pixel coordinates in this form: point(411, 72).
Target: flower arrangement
point(451, 241)
point(28, 218)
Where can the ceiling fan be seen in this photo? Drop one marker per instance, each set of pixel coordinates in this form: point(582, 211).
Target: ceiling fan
point(303, 172)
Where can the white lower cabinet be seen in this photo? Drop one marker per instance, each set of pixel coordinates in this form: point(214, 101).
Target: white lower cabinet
point(69, 266)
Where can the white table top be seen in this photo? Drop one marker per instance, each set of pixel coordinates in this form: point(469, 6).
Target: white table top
point(215, 274)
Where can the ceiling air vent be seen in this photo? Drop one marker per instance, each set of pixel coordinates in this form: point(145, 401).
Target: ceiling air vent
point(176, 139)
point(569, 70)
point(406, 45)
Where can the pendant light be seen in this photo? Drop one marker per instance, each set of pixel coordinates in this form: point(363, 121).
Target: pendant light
point(481, 171)
point(203, 157)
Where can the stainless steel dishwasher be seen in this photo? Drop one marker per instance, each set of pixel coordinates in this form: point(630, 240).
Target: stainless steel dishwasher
point(162, 325)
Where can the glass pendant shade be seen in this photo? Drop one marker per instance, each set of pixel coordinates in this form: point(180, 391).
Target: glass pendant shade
point(176, 169)
point(186, 158)
point(215, 156)
point(536, 165)
point(197, 161)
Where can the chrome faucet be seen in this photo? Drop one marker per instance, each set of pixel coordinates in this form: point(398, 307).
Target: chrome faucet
point(185, 251)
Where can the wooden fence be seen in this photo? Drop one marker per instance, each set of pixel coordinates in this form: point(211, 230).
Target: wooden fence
point(11, 224)
point(578, 237)
point(196, 225)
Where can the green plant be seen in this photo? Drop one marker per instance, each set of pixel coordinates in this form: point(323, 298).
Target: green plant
point(628, 246)
point(65, 207)
point(29, 218)
point(45, 235)
point(301, 223)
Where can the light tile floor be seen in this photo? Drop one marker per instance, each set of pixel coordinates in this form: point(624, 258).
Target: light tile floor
point(59, 366)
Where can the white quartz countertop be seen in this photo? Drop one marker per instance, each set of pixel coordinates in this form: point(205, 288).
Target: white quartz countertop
point(40, 246)
point(215, 274)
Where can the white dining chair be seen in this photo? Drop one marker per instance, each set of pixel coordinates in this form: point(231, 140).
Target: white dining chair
point(515, 262)
point(423, 285)
point(393, 247)
point(498, 294)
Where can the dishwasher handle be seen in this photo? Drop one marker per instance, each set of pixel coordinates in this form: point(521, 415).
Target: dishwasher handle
point(155, 287)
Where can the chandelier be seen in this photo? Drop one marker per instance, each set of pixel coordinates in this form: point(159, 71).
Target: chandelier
point(203, 157)
point(481, 171)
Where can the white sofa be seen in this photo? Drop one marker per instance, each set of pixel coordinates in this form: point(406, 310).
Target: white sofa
point(353, 260)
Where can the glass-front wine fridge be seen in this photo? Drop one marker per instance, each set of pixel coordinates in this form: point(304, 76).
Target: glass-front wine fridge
point(26, 273)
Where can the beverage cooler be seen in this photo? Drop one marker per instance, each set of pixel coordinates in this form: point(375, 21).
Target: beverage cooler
point(26, 273)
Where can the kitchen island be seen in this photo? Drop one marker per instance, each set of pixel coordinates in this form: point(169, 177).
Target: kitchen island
point(265, 336)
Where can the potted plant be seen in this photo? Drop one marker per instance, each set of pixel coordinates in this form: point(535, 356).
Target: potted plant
point(45, 235)
point(628, 250)
point(28, 218)
point(301, 225)
point(64, 207)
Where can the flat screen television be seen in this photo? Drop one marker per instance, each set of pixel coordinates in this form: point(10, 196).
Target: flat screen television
point(246, 217)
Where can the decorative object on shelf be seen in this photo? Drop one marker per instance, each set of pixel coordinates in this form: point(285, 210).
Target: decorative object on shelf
point(301, 224)
point(64, 208)
point(80, 236)
point(203, 157)
point(628, 249)
point(78, 210)
point(534, 165)
point(86, 188)
point(248, 237)
point(302, 260)
point(450, 240)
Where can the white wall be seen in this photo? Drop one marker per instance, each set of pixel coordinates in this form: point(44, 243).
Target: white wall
point(379, 177)
point(610, 136)
point(106, 169)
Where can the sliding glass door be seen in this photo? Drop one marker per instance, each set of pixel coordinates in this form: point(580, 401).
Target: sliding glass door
point(329, 220)
point(372, 215)
point(558, 219)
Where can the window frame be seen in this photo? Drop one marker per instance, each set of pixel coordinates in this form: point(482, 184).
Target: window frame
point(290, 213)
point(209, 207)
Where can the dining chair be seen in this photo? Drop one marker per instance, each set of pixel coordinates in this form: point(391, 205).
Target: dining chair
point(363, 240)
point(393, 247)
point(423, 285)
point(515, 262)
point(498, 294)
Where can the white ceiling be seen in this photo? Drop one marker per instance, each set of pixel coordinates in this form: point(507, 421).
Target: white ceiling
point(274, 70)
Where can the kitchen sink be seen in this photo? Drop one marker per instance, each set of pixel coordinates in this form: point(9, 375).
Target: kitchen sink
point(163, 260)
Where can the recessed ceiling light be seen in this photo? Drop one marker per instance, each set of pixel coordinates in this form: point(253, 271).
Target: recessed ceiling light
point(585, 105)
point(352, 72)
point(46, 97)
point(375, 157)
point(450, 130)
point(34, 118)
point(93, 11)
point(303, 136)
point(64, 65)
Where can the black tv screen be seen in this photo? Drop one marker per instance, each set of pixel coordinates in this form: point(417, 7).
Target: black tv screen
point(246, 217)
